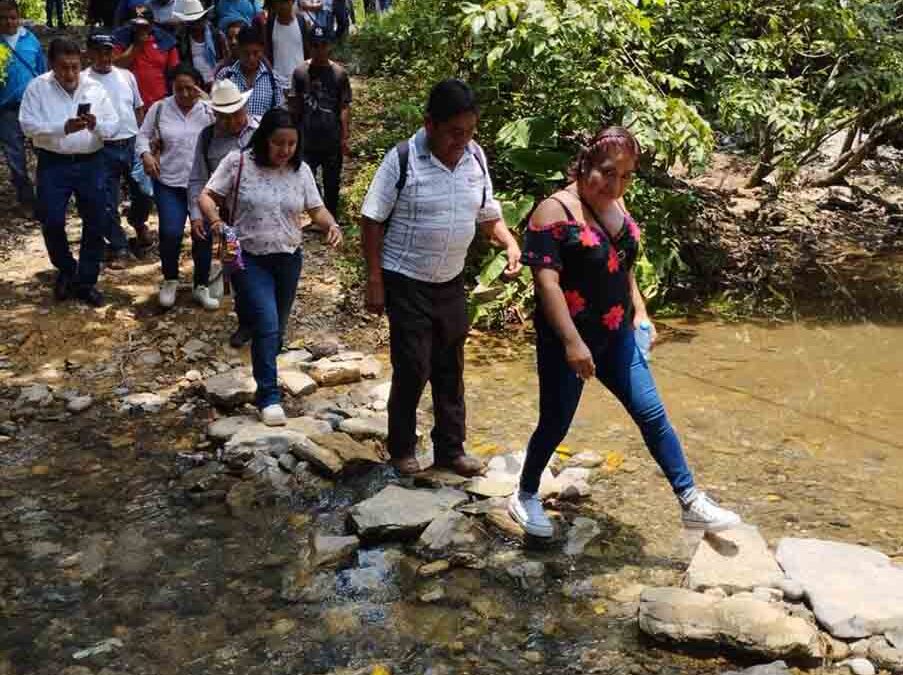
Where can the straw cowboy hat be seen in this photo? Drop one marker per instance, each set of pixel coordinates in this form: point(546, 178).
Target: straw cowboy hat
point(190, 10)
point(225, 97)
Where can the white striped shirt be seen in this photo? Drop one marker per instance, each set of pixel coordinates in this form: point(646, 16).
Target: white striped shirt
point(434, 216)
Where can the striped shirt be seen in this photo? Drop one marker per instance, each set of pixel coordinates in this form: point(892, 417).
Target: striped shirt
point(432, 221)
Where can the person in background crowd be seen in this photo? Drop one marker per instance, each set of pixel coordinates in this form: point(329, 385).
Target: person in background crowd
point(101, 12)
point(417, 222)
point(323, 107)
point(228, 11)
point(284, 40)
point(274, 189)
point(24, 62)
point(149, 52)
point(175, 124)
point(581, 245)
point(199, 43)
point(251, 72)
point(119, 151)
point(68, 116)
point(231, 131)
point(333, 16)
point(160, 11)
point(51, 6)
point(231, 56)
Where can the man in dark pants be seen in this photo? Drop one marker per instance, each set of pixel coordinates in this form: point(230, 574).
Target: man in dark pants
point(323, 109)
point(119, 151)
point(68, 116)
point(418, 221)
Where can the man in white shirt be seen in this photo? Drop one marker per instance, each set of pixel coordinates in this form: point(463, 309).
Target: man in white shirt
point(119, 152)
point(285, 40)
point(68, 116)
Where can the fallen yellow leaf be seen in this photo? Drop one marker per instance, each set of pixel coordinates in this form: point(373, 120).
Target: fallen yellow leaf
point(614, 460)
point(564, 450)
point(40, 470)
point(599, 608)
point(773, 498)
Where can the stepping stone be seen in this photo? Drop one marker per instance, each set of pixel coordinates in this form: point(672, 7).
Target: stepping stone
point(735, 560)
point(401, 513)
point(854, 591)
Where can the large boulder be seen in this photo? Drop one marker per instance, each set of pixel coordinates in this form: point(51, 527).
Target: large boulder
point(742, 623)
point(854, 591)
point(402, 513)
point(230, 389)
point(735, 560)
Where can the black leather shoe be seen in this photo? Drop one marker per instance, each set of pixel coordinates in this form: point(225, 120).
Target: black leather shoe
point(240, 338)
point(62, 288)
point(90, 296)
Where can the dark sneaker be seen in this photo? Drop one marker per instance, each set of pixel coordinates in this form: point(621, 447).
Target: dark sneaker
point(90, 296)
point(240, 337)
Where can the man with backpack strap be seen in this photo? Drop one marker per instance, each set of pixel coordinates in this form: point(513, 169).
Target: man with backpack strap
point(323, 110)
point(24, 63)
point(232, 130)
point(417, 223)
point(251, 73)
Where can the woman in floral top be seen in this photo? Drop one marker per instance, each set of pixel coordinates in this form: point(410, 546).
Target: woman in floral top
point(275, 189)
point(581, 245)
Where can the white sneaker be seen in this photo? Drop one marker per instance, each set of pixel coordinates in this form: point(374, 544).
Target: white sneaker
point(273, 416)
point(201, 295)
point(702, 513)
point(168, 292)
point(526, 509)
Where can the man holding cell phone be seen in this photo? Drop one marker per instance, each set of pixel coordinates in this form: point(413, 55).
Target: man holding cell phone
point(68, 116)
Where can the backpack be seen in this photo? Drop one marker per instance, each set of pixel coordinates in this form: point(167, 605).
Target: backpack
point(321, 126)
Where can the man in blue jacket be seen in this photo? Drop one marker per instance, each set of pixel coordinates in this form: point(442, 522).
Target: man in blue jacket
point(24, 61)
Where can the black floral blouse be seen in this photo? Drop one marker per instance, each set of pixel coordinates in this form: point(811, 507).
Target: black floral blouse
point(594, 273)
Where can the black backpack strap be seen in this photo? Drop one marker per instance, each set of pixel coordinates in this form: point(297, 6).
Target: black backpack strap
point(404, 153)
point(478, 155)
point(205, 140)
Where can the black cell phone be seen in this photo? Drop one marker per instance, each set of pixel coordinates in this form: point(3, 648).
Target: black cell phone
point(83, 109)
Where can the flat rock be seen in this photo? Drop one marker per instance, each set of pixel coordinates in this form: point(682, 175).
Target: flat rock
point(347, 356)
point(309, 426)
point(34, 394)
point(224, 428)
point(250, 441)
point(744, 207)
point(370, 367)
point(323, 348)
point(79, 404)
point(451, 530)
point(882, 653)
point(351, 452)
point(332, 550)
point(773, 668)
point(832, 575)
point(487, 486)
point(149, 357)
point(362, 428)
point(745, 624)
point(895, 637)
point(381, 391)
point(735, 560)
point(328, 373)
point(859, 666)
point(231, 388)
point(292, 359)
point(297, 383)
point(581, 534)
point(146, 401)
point(398, 512)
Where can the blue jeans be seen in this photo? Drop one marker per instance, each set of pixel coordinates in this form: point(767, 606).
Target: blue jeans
point(117, 157)
point(12, 141)
point(172, 207)
point(266, 290)
point(60, 177)
point(625, 373)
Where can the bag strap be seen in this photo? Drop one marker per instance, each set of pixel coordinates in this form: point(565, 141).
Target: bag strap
point(234, 211)
point(159, 111)
point(404, 154)
point(478, 155)
point(206, 141)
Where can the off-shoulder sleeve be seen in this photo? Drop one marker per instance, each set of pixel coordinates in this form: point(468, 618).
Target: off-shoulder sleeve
point(542, 245)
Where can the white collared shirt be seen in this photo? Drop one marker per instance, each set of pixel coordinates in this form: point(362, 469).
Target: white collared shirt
point(179, 133)
point(432, 221)
point(46, 107)
point(122, 88)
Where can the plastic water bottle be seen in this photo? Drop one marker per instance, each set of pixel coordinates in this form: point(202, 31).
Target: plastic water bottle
point(643, 337)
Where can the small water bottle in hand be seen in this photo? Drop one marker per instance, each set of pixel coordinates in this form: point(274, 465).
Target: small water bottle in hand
point(643, 337)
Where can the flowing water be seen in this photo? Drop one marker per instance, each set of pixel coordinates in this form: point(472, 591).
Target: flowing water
point(797, 426)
